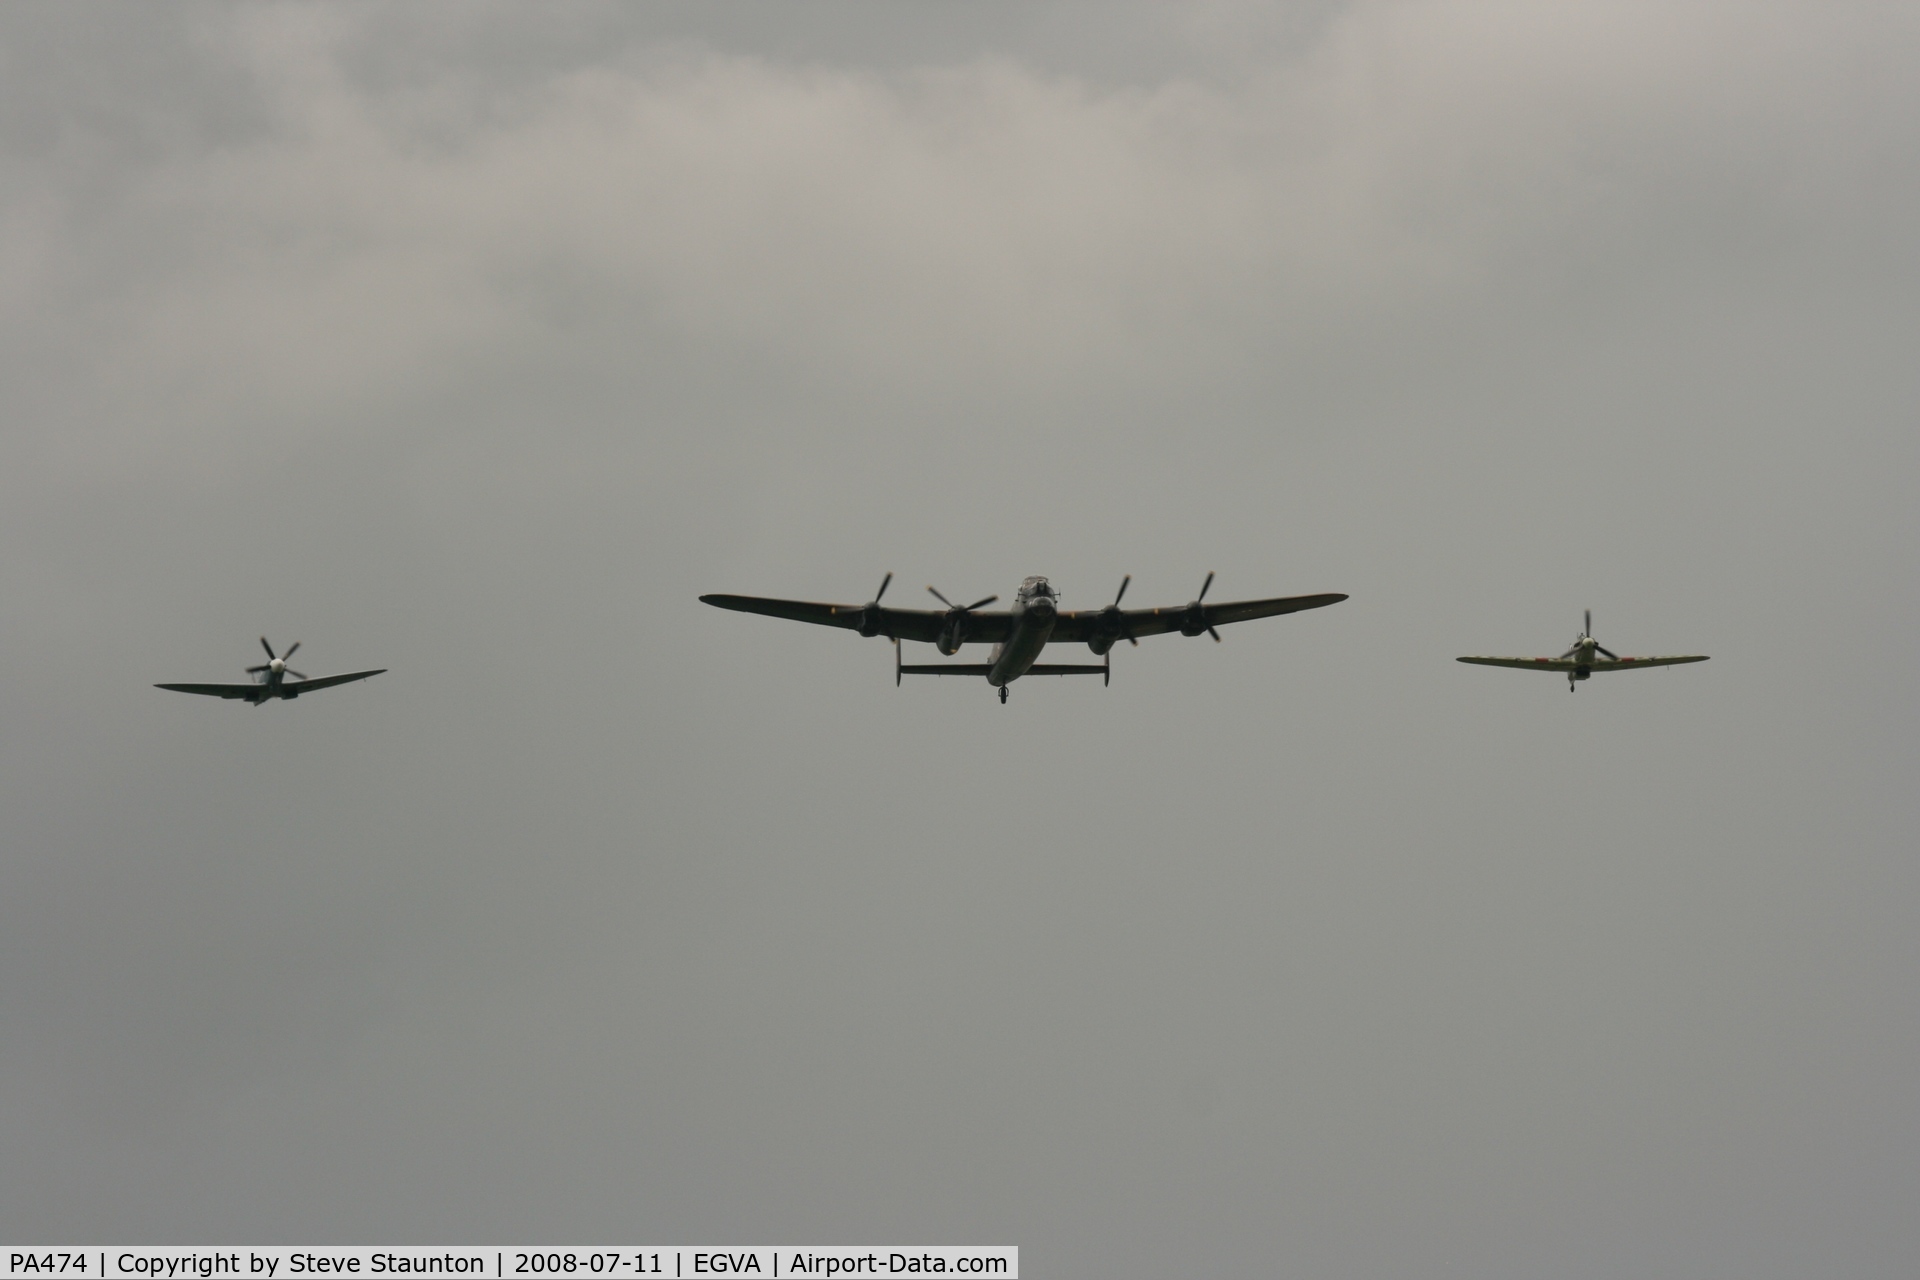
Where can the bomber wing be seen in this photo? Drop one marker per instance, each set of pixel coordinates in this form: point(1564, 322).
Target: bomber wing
point(1081, 625)
point(1557, 664)
point(905, 624)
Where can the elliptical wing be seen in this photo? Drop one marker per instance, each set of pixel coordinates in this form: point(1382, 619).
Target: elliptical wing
point(325, 682)
point(217, 690)
point(263, 692)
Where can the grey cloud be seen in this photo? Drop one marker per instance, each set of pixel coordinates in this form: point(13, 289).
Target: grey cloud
point(476, 344)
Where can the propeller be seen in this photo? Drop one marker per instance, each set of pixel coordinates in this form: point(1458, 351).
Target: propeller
point(950, 638)
point(279, 661)
point(872, 620)
point(977, 604)
point(1113, 623)
point(1119, 618)
point(1196, 618)
point(1586, 635)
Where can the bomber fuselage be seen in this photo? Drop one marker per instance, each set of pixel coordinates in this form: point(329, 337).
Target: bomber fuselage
point(1035, 608)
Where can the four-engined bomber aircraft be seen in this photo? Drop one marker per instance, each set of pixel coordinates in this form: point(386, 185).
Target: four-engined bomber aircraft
point(270, 680)
point(1020, 633)
point(1584, 658)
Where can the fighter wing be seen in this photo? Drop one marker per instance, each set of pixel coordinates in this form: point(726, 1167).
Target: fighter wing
point(1524, 664)
point(217, 690)
point(1628, 664)
point(907, 624)
point(1085, 624)
point(325, 682)
point(1556, 664)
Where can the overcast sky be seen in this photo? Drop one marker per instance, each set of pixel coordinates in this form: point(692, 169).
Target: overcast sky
point(477, 341)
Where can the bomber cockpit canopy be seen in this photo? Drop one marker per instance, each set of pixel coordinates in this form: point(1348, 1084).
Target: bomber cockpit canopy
point(1033, 588)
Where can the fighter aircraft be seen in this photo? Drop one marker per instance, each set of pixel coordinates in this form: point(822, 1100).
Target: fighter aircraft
point(1020, 633)
point(1585, 658)
point(269, 680)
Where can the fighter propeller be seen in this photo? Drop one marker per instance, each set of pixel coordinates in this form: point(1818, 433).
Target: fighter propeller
point(276, 665)
point(1585, 638)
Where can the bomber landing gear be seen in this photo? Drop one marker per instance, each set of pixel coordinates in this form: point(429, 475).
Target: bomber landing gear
point(1003, 693)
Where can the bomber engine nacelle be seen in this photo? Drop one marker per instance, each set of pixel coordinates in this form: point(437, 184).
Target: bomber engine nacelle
point(873, 619)
point(1194, 621)
point(953, 627)
point(952, 634)
point(1112, 625)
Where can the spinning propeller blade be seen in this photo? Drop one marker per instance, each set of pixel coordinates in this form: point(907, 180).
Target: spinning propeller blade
point(977, 604)
point(1586, 637)
point(279, 658)
point(1197, 618)
point(1585, 632)
point(1115, 607)
point(884, 583)
point(1598, 647)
